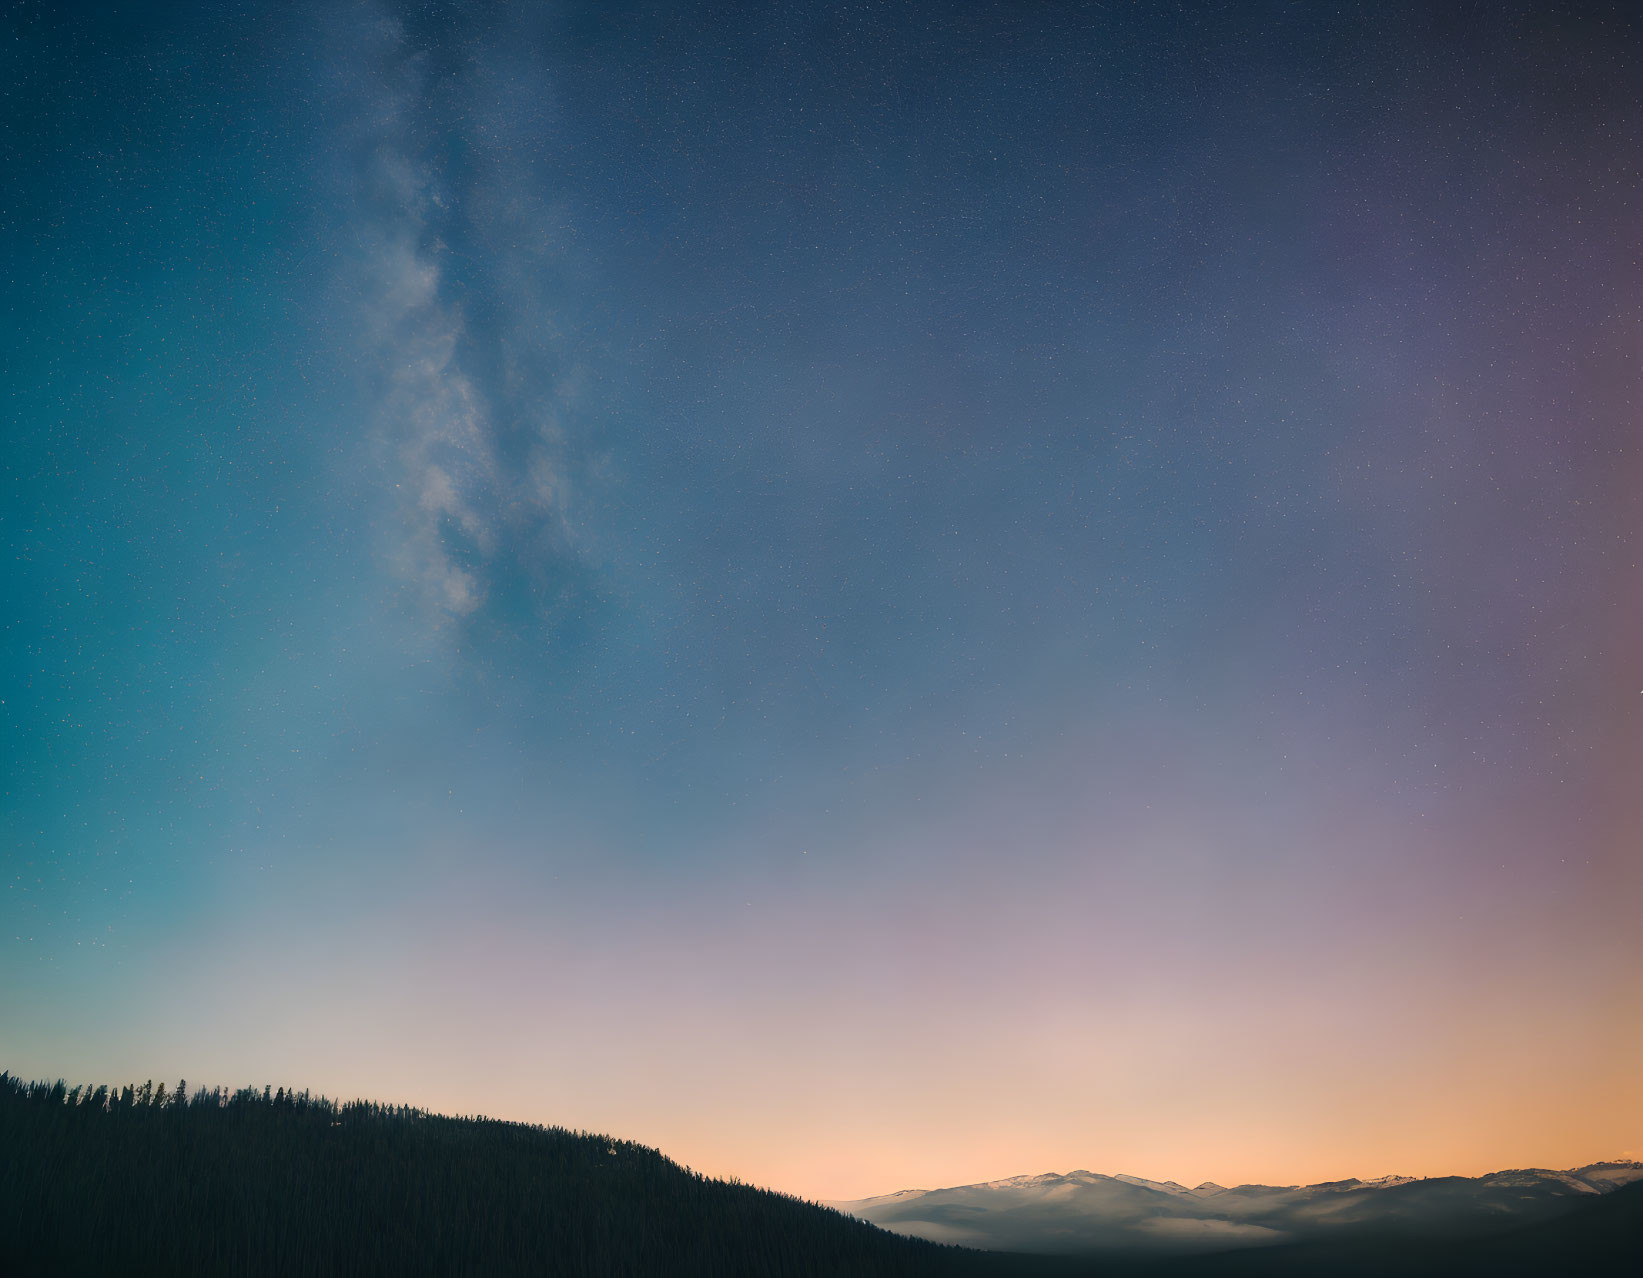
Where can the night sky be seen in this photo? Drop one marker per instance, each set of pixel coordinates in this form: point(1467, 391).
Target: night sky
point(872, 595)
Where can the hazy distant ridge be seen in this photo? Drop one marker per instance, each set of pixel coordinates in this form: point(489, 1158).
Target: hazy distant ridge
point(1088, 1211)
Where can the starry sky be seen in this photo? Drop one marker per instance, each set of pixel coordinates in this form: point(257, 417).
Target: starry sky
point(870, 594)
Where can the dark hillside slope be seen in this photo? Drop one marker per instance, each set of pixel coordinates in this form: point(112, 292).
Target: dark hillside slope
point(255, 1184)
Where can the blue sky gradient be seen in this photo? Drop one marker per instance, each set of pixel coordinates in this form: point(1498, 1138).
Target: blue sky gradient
point(1020, 574)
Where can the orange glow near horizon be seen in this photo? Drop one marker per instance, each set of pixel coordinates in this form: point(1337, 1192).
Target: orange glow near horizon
point(952, 1045)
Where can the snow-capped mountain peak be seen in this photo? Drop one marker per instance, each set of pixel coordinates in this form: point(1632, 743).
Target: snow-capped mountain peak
point(1163, 1186)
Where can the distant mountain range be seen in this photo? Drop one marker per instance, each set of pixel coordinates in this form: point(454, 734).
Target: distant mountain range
point(1086, 1212)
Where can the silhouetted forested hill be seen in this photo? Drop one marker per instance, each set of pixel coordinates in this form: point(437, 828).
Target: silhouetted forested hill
point(138, 1182)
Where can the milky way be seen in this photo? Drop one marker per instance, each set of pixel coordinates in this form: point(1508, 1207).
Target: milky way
point(870, 595)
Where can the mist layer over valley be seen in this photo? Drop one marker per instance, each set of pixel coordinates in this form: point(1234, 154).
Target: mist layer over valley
point(1083, 1211)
